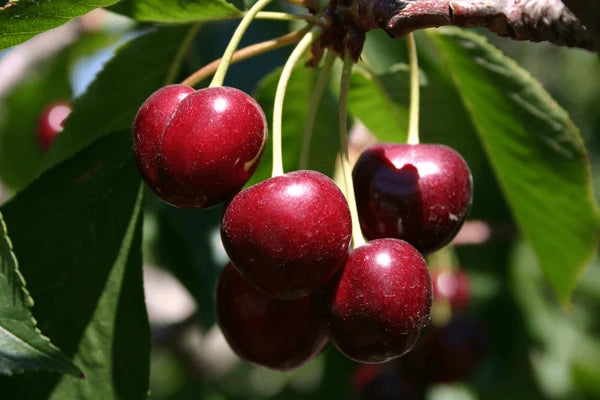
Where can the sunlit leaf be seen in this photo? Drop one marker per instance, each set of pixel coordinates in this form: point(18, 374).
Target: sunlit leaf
point(179, 11)
point(535, 150)
point(22, 19)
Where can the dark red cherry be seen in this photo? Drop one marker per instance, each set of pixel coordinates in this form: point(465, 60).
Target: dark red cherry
point(277, 334)
point(381, 300)
point(419, 193)
point(446, 353)
point(50, 123)
point(452, 285)
point(198, 148)
point(148, 128)
point(289, 234)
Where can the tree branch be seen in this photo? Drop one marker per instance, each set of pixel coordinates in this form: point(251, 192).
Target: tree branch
point(535, 20)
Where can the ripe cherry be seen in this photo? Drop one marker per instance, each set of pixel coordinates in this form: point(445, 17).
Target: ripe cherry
point(50, 123)
point(198, 148)
point(277, 334)
point(419, 193)
point(375, 310)
point(453, 286)
point(446, 353)
point(289, 234)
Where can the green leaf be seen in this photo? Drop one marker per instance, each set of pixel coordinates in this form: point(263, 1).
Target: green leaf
point(536, 153)
point(584, 368)
point(77, 233)
point(325, 140)
point(180, 11)
point(379, 106)
point(187, 243)
point(22, 346)
point(112, 100)
point(20, 154)
point(23, 19)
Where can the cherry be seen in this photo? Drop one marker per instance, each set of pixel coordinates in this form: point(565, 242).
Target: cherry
point(198, 148)
point(50, 123)
point(389, 384)
point(289, 234)
point(277, 334)
point(446, 353)
point(452, 285)
point(148, 127)
point(377, 307)
point(419, 193)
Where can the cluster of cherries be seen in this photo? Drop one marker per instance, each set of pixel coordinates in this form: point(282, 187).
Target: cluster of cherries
point(293, 284)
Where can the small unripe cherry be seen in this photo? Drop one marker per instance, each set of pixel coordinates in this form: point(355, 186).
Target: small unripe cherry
point(50, 123)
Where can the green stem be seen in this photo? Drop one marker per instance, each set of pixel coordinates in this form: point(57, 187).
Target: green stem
point(357, 237)
point(183, 48)
point(283, 16)
point(219, 76)
point(243, 54)
point(300, 48)
point(445, 259)
point(413, 117)
point(313, 106)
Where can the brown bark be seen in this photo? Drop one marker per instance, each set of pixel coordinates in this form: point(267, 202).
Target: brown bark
point(535, 20)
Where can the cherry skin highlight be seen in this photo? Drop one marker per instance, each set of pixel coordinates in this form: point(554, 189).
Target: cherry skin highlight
point(50, 123)
point(419, 193)
point(288, 235)
point(276, 334)
point(376, 308)
point(198, 148)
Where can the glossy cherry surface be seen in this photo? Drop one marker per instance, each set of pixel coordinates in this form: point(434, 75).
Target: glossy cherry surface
point(453, 286)
point(148, 127)
point(198, 148)
point(277, 334)
point(419, 193)
point(289, 234)
point(376, 308)
point(50, 123)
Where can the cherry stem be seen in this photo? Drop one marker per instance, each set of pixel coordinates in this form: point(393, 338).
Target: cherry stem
point(243, 54)
point(219, 76)
point(300, 48)
point(357, 237)
point(444, 259)
point(313, 106)
point(304, 3)
point(283, 16)
point(413, 116)
point(183, 48)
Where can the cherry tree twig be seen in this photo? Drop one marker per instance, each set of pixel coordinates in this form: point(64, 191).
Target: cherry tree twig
point(535, 20)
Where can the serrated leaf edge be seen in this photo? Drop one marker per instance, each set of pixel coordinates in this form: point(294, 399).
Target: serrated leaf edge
point(29, 302)
point(525, 76)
